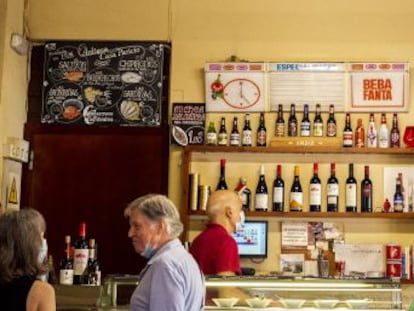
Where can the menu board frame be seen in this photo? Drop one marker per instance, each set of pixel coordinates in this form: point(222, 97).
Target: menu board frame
point(106, 83)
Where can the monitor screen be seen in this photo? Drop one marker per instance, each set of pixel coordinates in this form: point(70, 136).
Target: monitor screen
point(251, 239)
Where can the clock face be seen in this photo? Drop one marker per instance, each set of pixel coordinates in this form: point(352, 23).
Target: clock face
point(241, 93)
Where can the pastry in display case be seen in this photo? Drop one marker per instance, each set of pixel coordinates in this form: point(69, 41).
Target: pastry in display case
point(279, 293)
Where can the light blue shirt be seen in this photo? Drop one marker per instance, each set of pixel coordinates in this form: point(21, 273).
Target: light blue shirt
point(170, 281)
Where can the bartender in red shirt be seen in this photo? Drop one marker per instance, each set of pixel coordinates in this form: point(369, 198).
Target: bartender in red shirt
point(214, 249)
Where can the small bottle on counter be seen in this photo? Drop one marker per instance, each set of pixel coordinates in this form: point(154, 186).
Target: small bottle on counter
point(93, 274)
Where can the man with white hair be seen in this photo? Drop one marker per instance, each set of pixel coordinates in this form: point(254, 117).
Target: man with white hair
point(215, 250)
point(171, 280)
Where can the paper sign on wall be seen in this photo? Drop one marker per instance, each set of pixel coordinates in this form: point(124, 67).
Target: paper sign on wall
point(379, 87)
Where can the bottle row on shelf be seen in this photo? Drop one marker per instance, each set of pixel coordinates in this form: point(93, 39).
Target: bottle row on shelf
point(275, 200)
point(80, 265)
point(383, 138)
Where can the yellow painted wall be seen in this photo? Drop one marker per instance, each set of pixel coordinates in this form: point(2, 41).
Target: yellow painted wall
point(265, 30)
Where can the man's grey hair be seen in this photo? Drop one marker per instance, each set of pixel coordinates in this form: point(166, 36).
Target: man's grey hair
point(157, 207)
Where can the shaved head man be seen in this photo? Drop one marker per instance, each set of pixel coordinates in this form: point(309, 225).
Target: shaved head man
point(214, 249)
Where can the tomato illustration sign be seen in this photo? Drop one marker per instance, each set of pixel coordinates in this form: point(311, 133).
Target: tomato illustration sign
point(105, 83)
point(234, 87)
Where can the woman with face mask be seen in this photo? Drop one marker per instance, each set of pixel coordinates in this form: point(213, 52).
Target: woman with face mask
point(171, 280)
point(22, 262)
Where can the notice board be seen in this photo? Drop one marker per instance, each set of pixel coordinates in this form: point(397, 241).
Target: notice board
point(105, 83)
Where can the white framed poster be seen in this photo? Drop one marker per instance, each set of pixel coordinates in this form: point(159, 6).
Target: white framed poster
point(235, 87)
point(379, 87)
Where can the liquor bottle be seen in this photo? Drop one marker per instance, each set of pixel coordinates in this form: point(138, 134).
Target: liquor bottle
point(332, 191)
point(247, 132)
point(398, 197)
point(383, 139)
point(331, 123)
point(51, 271)
point(347, 136)
point(317, 122)
point(93, 275)
point(262, 195)
point(80, 260)
point(359, 135)
point(395, 132)
point(292, 122)
point(305, 123)
point(245, 193)
point(366, 192)
point(372, 141)
point(351, 190)
point(222, 138)
point(296, 193)
point(405, 205)
point(280, 122)
point(211, 134)
point(235, 135)
point(315, 191)
point(222, 180)
point(278, 203)
point(66, 265)
point(261, 132)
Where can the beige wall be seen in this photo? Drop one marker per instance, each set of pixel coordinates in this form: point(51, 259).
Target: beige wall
point(212, 30)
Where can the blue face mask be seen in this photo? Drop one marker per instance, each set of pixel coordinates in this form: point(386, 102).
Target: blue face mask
point(43, 252)
point(148, 251)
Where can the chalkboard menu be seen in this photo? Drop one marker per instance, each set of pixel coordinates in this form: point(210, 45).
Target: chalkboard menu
point(105, 83)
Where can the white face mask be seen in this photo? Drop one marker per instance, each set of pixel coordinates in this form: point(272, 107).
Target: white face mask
point(43, 251)
point(239, 225)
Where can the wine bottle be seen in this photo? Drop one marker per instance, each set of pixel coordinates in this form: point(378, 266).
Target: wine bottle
point(80, 260)
point(315, 191)
point(351, 191)
point(93, 275)
point(398, 197)
point(66, 265)
point(383, 139)
point(296, 193)
point(359, 135)
point(222, 180)
point(211, 134)
point(261, 132)
point(245, 193)
point(278, 203)
point(292, 122)
point(347, 136)
point(222, 138)
point(262, 195)
point(366, 192)
point(395, 133)
point(305, 123)
point(51, 273)
point(331, 123)
point(235, 135)
point(317, 122)
point(372, 141)
point(332, 191)
point(405, 205)
point(247, 132)
point(280, 122)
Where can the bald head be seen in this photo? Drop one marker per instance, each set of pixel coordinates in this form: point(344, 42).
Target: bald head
point(223, 207)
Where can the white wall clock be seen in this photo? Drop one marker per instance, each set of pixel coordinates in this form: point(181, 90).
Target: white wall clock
point(235, 87)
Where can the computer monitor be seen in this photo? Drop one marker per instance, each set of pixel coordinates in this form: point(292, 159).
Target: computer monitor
point(251, 239)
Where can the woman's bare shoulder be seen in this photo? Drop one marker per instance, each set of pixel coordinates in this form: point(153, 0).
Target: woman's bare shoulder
point(41, 297)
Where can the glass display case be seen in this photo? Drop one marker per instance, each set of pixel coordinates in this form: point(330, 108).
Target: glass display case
point(279, 293)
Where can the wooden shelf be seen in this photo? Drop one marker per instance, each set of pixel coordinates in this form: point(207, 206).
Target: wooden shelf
point(301, 149)
point(285, 215)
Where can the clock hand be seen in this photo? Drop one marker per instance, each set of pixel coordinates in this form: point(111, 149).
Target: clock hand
point(241, 89)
